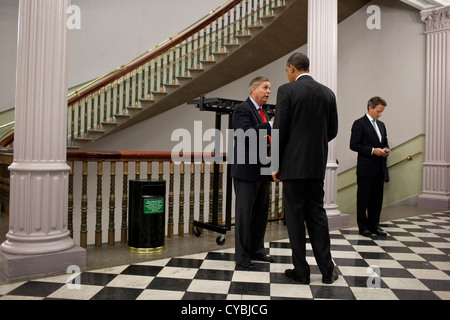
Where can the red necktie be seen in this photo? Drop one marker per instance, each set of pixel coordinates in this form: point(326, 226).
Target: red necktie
point(263, 116)
point(264, 119)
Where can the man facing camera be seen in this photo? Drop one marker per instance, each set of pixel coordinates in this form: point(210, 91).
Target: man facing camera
point(369, 140)
point(250, 122)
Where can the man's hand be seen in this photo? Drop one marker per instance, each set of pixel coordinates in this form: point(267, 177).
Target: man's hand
point(381, 152)
point(276, 176)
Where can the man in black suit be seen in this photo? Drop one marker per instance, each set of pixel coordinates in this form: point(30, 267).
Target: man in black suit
point(251, 125)
point(369, 139)
point(307, 120)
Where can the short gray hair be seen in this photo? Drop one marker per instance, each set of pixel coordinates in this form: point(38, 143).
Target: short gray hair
point(257, 82)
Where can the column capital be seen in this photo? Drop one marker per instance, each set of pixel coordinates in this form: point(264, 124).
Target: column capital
point(436, 19)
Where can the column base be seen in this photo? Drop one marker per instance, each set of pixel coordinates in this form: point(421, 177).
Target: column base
point(438, 201)
point(16, 266)
point(338, 221)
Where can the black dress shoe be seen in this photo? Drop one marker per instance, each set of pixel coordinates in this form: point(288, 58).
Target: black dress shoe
point(330, 278)
point(246, 265)
point(365, 233)
point(264, 259)
point(379, 232)
point(292, 275)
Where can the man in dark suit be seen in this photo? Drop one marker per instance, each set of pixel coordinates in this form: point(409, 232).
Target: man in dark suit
point(307, 120)
point(251, 125)
point(369, 139)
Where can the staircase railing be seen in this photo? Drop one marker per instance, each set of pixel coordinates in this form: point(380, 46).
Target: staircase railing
point(98, 192)
point(110, 99)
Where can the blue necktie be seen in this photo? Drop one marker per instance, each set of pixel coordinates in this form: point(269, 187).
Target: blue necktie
point(376, 129)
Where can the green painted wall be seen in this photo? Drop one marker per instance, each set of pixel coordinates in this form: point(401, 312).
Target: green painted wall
point(406, 176)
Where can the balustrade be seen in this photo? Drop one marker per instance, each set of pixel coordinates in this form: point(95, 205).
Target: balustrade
point(103, 211)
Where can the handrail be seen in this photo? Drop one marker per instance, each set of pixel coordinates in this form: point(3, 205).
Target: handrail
point(124, 71)
point(5, 141)
point(107, 156)
point(100, 156)
point(7, 124)
point(408, 158)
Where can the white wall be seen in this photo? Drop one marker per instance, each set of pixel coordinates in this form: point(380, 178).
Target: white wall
point(389, 62)
point(8, 51)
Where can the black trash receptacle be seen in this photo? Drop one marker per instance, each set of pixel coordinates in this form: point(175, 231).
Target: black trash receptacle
point(146, 216)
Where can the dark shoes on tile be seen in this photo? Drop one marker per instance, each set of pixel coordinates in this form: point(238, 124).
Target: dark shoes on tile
point(294, 276)
point(264, 259)
point(377, 232)
point(365, 233)
point(250, 265)
point(246, 265)
point(330, 278)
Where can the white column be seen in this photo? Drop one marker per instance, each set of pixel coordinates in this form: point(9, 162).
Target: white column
point(39, 172)
point(436, 169)
point(323, 51)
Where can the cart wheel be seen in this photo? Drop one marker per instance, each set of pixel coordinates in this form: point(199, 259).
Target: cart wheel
point(220, 240)
point(197, 231)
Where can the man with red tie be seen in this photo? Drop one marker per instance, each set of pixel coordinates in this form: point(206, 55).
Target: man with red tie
point(250, 124)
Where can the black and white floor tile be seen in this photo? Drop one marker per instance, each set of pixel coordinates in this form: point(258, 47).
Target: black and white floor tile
point(412, 262)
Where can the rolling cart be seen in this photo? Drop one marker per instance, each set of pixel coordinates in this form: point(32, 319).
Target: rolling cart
point(220, 107)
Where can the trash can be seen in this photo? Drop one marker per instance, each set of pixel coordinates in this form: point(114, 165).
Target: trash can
point(146, 216)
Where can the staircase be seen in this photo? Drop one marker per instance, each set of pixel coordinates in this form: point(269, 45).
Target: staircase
point(237, 39)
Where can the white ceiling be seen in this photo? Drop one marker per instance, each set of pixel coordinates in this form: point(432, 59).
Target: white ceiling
point(427, 4)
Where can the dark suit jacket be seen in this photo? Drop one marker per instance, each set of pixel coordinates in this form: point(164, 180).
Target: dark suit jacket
point(363, 139)
point(307, 119)
point(247, 118)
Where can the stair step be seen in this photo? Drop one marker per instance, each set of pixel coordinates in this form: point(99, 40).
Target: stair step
point(267, 20)
point(243, 38)
point(171, 87)
point(145, 103)
point(95, 134)
point(134, 110)
point(256, 28)
point(109, 125)
point(278, 9)
point(231, 47)
point(121, 117)
point(219, 56)
point(196, 72)
point(83, 141)
point(183, 80)
point(159, 94)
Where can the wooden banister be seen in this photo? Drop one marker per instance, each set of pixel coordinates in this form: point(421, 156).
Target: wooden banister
point(107, 156)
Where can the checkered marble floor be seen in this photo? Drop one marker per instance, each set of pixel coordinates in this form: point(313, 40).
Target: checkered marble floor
point(412, 262)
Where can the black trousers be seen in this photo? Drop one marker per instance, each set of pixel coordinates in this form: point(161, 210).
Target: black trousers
point(303, 200)
point(369, 202)
point(251, 215)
